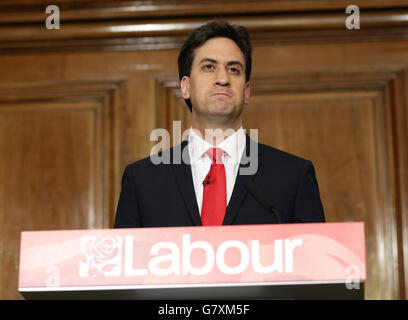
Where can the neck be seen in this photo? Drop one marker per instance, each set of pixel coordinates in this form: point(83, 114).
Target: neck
point(215, 133)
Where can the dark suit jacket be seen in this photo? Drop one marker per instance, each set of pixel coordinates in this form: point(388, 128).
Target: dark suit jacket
point(163, 195)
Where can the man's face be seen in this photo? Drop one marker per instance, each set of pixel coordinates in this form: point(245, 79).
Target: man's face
point(216, 86)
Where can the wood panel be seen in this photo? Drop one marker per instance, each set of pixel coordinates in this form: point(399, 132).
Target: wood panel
point(399, 92)
point(24, 11)
point(87, 26)
point(57, 164)
point(49, 151)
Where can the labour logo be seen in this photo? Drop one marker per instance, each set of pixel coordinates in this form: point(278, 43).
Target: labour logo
point(103, 256)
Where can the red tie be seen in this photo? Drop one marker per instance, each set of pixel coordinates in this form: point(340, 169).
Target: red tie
point(215, 191)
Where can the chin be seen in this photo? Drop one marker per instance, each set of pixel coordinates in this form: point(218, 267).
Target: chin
point(221, 108)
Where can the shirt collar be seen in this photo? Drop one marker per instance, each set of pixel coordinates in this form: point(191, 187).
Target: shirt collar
point(233, 146)
point(196, 146)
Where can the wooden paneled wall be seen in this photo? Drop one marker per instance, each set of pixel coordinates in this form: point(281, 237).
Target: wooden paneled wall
point(79, 103)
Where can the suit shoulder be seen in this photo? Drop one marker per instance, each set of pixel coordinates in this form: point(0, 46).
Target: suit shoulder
point(275, 154)
point(154, 161)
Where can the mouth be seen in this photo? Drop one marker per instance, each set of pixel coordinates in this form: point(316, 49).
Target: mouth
point(221, 94)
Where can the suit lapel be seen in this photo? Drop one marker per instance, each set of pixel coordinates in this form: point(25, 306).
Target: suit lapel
point(184, 180)
point(247, 170)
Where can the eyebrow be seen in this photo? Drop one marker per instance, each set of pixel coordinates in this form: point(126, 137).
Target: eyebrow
point(229, 63)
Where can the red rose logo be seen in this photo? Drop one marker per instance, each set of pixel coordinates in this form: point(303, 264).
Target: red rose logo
point(103, 256)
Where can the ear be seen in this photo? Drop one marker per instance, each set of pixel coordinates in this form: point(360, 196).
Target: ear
point(185, 87)
point(247, 92)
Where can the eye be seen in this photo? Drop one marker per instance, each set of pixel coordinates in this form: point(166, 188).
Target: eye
point(234, 70)
point(208, 67)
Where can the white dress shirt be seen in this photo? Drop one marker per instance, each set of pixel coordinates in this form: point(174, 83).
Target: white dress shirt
point(233, 148)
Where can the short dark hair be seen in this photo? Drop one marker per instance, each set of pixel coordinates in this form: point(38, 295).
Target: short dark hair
point(213, 29)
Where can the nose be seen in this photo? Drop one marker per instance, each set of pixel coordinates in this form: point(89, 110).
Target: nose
point(222, 78)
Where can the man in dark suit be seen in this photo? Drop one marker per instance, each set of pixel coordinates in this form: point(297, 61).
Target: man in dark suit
point(219, 175)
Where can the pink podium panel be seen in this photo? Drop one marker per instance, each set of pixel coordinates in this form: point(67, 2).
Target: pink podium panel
point(192, 257)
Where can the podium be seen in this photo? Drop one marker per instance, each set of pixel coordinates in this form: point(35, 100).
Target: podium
point(282, 261)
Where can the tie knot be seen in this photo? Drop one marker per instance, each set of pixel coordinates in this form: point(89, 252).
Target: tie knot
point(215, 154)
